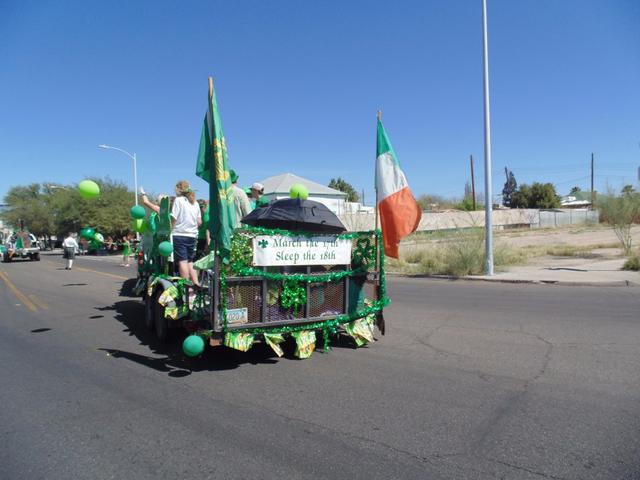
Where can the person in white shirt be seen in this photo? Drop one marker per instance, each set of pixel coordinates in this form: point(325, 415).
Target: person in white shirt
point(186, 218)
point(70, 246)
point(155, 207)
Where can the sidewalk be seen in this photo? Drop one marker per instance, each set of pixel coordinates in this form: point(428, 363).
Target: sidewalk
point(568, 271)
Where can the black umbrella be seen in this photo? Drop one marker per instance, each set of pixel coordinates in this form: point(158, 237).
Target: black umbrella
point(295, 214)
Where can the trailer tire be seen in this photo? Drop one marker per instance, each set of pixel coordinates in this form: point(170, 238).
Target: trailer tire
point(160, 321)
point(36, 257)
point(149, 312)
point(6, 258)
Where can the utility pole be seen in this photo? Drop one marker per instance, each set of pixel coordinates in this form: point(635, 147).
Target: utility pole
point(593, 195)
point(473, 184)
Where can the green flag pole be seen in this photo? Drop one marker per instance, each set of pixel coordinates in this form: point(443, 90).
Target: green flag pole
point(212, 175)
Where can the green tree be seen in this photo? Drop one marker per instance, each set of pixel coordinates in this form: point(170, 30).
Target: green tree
point(435, 202)
point(574, 190)
point(510, 187)
point(346, 187)
point(628, 190)
point(538, 195)
point(56, 211)
point(28, 208)
point(466, 204)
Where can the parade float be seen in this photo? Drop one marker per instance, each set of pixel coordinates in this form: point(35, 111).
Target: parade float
point(292, 270)
point(21, 244)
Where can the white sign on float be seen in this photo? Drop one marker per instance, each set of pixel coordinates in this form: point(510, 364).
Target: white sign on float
point(277, 250)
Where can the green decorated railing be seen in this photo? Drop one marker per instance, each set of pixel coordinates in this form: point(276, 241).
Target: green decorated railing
point(275, 300)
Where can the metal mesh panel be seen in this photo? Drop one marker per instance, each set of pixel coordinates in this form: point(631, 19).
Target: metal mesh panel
point(246, 295)
point(326, 299)
point(323, 299)
point(274, 311)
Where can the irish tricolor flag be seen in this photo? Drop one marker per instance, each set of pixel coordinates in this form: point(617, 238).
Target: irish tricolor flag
point(399, 212)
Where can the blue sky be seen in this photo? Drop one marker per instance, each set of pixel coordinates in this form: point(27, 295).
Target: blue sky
point(299, 83)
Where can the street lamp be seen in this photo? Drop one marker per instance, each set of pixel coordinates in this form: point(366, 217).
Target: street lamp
point(135, 168)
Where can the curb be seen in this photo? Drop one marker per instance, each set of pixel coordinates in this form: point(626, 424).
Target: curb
point(564, 283)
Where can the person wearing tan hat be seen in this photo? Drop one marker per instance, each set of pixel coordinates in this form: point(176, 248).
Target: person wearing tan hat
point(186, 218)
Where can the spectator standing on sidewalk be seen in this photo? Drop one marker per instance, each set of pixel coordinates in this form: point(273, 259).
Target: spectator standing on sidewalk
point(126, 251)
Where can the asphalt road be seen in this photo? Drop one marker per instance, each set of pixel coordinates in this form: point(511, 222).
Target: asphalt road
point(473, 380)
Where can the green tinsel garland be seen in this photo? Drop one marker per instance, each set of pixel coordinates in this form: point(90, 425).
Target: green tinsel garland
point(289, 233)
point(293, 295)
point(363, 253)
point(298, 277)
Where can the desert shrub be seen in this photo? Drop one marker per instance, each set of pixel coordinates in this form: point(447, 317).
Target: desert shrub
point(461, 253)
point(621, 212)
point(632, 263)
point(504, 255)
point(464, 255)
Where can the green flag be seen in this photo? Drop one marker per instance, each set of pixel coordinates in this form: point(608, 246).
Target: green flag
point(213, 167)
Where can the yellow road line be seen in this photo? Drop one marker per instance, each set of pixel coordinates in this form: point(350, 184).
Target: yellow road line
point(82, 269)
point(20, 296)
point(119, 277)
point(41, 305)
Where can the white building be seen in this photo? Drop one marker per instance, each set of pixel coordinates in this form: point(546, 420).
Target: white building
point(276, 188)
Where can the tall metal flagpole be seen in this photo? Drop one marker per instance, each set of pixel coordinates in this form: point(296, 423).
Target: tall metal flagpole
point(488, 201)
point(377, 218)
point(378, 117)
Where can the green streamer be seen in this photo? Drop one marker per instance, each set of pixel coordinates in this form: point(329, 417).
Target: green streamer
point(293, 295)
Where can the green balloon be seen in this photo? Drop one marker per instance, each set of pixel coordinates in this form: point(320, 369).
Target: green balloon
point(139, 225)
point(87, 233)
point(89, 189)
point(98, 238)
point(165, 248)
point(193, 345)
point(299, 191)
point(138, 212)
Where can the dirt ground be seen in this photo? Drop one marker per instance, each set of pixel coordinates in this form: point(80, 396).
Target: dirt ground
point(595, 236)
point(583, 241)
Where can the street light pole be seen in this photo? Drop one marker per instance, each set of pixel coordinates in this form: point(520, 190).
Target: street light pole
point(135, 178)
point(135, 173)
point(135, 167)
point(488, 215)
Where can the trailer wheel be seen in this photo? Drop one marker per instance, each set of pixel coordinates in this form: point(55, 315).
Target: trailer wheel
point(160, 321)
point(149, 312)
point(6, 258)
point(35, 257)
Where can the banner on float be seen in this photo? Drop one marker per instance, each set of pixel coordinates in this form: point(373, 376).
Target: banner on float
point(278, 250)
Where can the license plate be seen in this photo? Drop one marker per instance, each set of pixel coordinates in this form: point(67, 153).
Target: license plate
point(236, 316)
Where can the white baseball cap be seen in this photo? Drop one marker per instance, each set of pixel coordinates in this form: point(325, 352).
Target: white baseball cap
point(258, 186)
